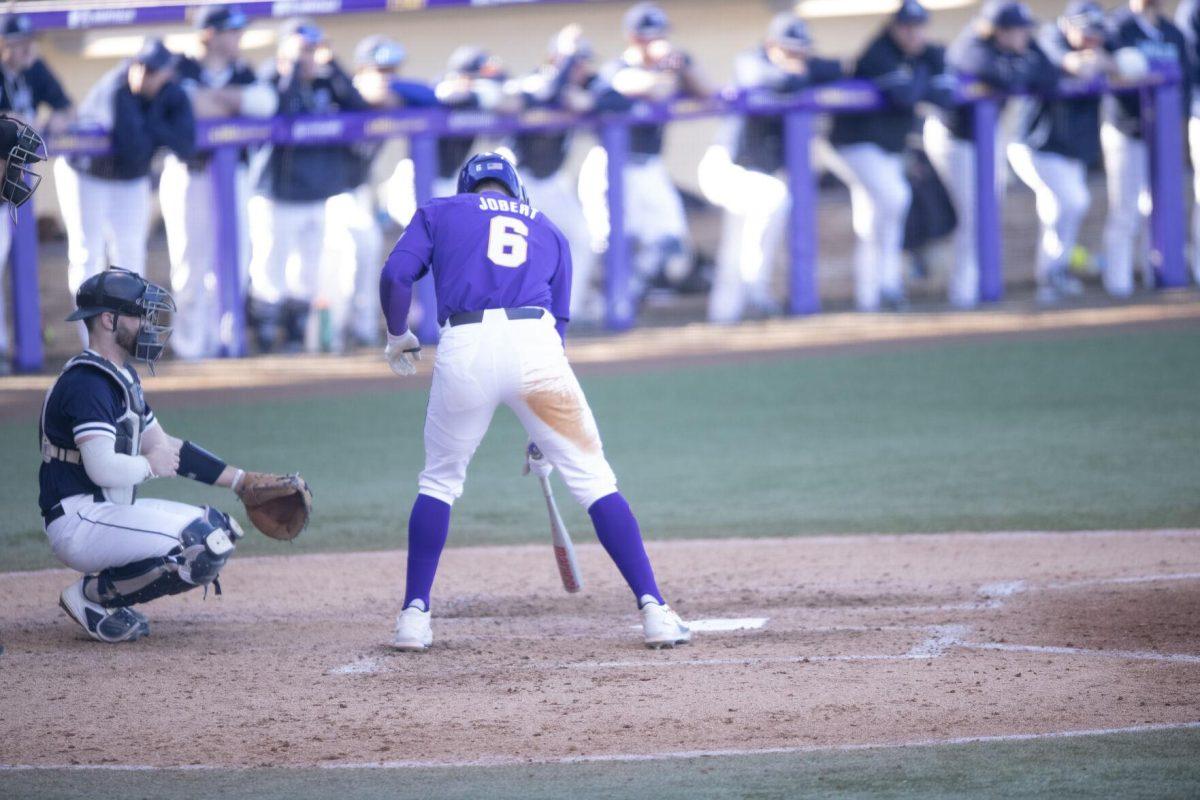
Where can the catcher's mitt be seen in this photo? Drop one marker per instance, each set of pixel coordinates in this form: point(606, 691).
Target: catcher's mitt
point(278, 505)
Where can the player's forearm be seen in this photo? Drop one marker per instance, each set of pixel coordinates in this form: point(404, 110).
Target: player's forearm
point(395, 291)
point(109, 469)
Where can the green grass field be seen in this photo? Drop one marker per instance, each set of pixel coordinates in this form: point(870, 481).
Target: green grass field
point(1129, 766)
point(1086, 431)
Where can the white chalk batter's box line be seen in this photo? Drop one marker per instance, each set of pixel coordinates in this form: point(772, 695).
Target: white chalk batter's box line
point(677, 755)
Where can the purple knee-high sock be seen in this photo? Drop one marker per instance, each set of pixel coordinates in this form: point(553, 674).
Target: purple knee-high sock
point(428, 526)
point(618, 531)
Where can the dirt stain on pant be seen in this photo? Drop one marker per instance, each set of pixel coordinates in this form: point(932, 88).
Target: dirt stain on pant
point(562, 409)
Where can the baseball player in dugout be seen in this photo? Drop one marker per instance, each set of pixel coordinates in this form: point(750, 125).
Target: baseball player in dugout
point(220, 84)
point(1059, 141)
point(105, 200)
point(997, 50)
point(650, 69)
point(502, 272)
point(1140, 34)
point(292, 184)
point(1187, 19)
point(565, 81)
point(870, 148)
point(27, 85)
point(739, 173)
point(100, 440)
point(474, 80)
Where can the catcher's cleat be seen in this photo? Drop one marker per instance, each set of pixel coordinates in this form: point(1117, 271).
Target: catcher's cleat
point(661, 626)
point(110, 625)
point(413, 632)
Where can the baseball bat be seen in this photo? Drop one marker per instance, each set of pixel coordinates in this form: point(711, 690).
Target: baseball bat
point(564, 551)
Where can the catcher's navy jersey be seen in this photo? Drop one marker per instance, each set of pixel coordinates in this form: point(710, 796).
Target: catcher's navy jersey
point(485, 251)
point(84, 402)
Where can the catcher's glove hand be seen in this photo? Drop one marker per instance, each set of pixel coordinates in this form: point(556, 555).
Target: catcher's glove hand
point(278, 505)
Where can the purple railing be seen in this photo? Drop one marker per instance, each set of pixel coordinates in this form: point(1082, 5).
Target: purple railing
point(1162, 110)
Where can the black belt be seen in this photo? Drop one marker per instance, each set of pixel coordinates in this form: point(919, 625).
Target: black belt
point(469, 317)
point(56, 510)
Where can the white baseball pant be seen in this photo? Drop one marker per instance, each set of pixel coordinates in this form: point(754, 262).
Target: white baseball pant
point(350, 265)
point(554, 196)
point(92, 536)
point(521, 364)
point(954, 160)
point(107, 221)
point(755, 206)
point(1126, 165)
point(653, 206)
point(186, 199)
point(879, 201)
point(1062, 200)
point(286, 242)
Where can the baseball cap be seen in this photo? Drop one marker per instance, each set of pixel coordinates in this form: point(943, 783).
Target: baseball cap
point(1084, 15)
point(16, 25)
point(911, 13)
point(305, 29)
point(789, 31)
point(1008, 14)
point(379, 51)
point(222, 18)
point(646, 21)
point(154, 55)
point(467, 58)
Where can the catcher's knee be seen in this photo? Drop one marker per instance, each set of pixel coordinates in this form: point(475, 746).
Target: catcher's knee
point(205, 545)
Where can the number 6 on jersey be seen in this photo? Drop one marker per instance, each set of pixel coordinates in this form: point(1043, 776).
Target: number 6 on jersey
point(507, 243)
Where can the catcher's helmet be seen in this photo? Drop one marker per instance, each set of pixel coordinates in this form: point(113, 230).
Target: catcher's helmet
point(123, 292)
point(491, 167)
point(22, 146)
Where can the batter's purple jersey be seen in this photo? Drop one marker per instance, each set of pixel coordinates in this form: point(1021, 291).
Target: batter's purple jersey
point(486, 251)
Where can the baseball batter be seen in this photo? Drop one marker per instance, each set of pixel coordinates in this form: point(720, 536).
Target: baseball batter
point(502, 271)
point(100, 440)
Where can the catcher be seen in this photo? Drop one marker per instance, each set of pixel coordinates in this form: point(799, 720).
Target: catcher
point(100, 440)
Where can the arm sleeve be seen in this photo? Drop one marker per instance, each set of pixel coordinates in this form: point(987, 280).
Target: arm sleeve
point(414, 95)
point(47, 89)
point(132, 139)
point(109, 469)
point(560, 288)
point(407, 262)
point(171, 121)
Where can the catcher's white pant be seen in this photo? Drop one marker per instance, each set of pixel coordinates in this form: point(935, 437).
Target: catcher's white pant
point(521, 364)
point(954, 160)
point(186, 199)
point(91, 536)
point(555, 197)
point(5, 246)
point(1062, 198)
point(350, 265)
point(756, 206)
point(1126, 163)
point(879, 200)
point(286, 242)
point(105, 219)
point(653, 206)
point(1194, 144)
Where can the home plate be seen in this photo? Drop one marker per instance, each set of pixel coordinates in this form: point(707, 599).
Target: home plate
point(735, 624)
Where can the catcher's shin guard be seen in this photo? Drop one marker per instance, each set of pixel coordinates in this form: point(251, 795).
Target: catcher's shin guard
point(204, 546)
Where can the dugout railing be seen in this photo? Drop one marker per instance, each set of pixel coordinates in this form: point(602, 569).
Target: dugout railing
point(1162, 114)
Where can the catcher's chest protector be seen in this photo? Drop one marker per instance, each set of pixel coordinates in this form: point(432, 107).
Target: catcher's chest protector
point(130, 425)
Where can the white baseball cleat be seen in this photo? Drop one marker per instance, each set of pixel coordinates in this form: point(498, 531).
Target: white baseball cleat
point(108, 625)
point(661, 626)
point(413, 632)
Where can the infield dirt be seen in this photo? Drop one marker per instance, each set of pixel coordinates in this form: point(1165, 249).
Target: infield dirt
point(867, 639)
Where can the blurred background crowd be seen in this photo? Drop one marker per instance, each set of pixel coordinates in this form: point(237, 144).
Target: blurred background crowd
point(706, 204)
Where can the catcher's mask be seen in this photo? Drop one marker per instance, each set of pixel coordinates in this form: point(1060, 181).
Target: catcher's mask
point(123, 292)
point(491, 167)
point(24, 147)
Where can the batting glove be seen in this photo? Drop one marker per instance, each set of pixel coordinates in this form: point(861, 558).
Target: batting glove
point(402, 352)
point(535, 462)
